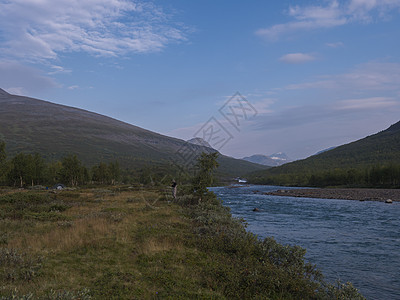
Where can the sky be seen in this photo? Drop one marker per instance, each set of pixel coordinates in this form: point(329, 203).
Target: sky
point(250, 77)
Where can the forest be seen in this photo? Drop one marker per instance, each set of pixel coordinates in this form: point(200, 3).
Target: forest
point(25, 169)
point(29, 170)
point(375, 176)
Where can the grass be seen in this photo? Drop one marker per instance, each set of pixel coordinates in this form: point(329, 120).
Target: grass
point(115, 247)
point(110, 244)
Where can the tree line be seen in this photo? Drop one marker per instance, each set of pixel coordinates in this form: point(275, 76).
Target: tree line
point(379, 176)
point(31, 169)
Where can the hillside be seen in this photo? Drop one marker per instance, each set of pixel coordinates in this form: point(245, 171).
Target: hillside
point(379, 149)
point(32, 125)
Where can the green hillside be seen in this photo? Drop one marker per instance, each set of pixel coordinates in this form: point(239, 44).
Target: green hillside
point(31, 125)
point(363, 158)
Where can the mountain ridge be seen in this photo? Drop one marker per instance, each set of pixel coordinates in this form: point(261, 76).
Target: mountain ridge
point(394, 127)
point(382, 148)
point(54, 130)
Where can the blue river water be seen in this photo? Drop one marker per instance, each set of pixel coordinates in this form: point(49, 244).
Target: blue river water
point(347, 240)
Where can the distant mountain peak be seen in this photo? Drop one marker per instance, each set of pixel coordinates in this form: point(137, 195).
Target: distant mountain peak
point(272, 160)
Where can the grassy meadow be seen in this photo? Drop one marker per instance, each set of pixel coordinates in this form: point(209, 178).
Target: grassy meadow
point(122, 243)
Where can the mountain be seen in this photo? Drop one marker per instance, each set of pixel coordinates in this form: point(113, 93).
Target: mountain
point(53, 130)
point(273, 160)
point(200, 142)
point(382, 148)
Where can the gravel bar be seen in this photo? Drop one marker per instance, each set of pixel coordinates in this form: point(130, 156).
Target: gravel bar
point(345, 194)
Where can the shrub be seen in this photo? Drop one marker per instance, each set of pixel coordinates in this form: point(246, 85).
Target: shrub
point(38, 206)
point(343, 291)
point(247, 267)
point(18, 266)
point(69, 295)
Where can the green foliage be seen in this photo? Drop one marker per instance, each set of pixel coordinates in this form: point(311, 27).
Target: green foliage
point(52, 295)
point(106, 174)
point(206, 165)
point(72, 171)
point(343, 291)
point(33, 206)
point(26, 169)
point(18, 266)
point(244, 267)
point(101, 174)
point(21, 169)
point(3, 156)
point(115, 172)
point(84, 294)
point(38, 169)
point(380, 176)
point(54, 172)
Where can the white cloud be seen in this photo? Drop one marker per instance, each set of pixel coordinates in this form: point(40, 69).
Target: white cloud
point(306, 18)
point(366, 103)
point(40, 30)
point(22, 80)
point(335, 45)
point(363, 10)
point(372, 76)
point(58, 70)
point(263, 106)
point(321, 84)
point(16, 90)
point(260, 102)
point(343, 107)
point(297, 58)
point(334, 14)
point(73, 87)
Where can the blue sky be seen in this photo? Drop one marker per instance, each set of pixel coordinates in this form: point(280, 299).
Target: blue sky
point(316, 73)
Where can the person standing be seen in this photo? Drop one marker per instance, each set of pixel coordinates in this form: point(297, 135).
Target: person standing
point(174, 188)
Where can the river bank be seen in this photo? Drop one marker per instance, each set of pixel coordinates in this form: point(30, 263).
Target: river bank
point(119, 243)
point(352, 240)
point(381, 195)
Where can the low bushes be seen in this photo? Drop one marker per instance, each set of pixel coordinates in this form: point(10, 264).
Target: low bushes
point(244, 266)
point(37, 206)
point(15, 265)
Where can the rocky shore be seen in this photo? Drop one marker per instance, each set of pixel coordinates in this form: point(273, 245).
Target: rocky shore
point(382, 195)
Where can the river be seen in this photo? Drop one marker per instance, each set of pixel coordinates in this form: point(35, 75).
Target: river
point(347, 240)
